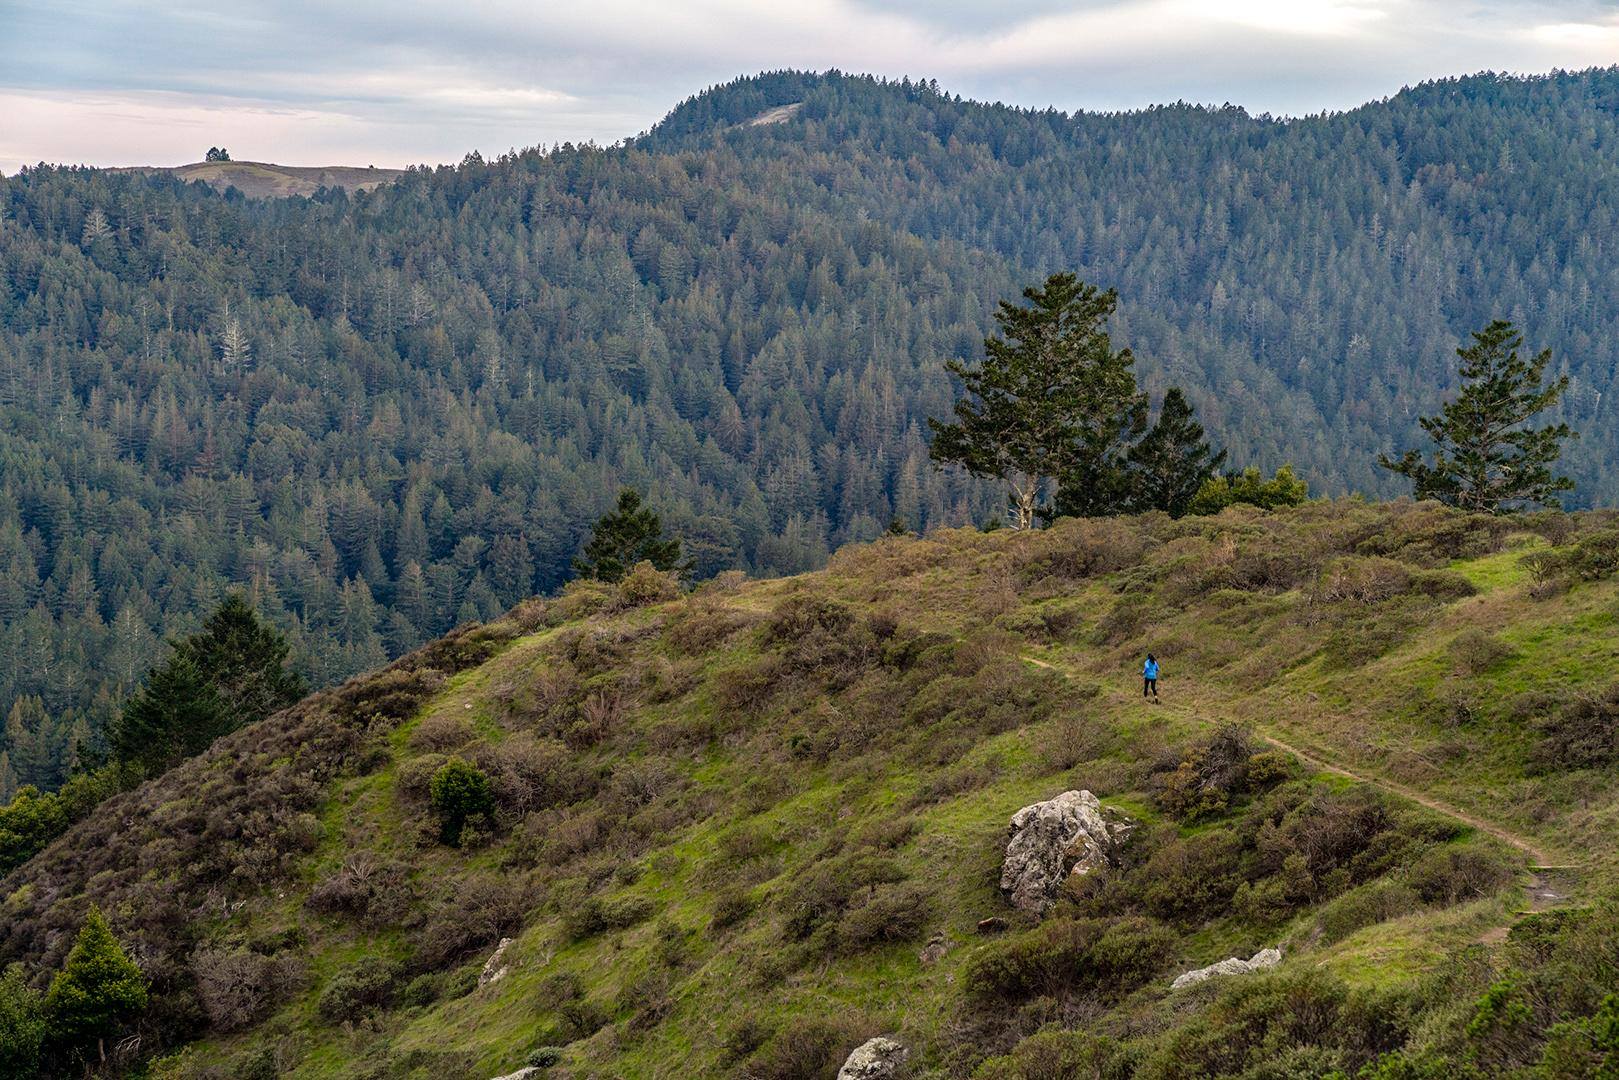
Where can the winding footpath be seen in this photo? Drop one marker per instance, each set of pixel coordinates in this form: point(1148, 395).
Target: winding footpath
point(1543, 889)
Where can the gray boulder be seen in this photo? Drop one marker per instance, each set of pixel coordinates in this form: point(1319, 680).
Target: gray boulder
point(525, 1073)
point(1053, 840)
point(874, 1059)
point(493, 969)
point(1265, 958)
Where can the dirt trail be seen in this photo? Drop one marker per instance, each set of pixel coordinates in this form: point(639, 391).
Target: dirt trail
point(1544, 888)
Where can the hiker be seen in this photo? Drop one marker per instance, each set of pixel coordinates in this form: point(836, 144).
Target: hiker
point(1149, 677)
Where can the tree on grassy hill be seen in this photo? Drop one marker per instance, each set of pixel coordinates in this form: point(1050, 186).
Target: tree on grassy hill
point(1172, 461)
point(628, 534)
point(97, 992)
point(230, 673)
point(1485, 460)
point(1051, 404)
point(217, 153)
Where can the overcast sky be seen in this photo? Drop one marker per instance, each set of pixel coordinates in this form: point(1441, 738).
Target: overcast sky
point(395, 82)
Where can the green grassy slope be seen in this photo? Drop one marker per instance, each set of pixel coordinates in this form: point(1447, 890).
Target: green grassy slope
point(741, 830)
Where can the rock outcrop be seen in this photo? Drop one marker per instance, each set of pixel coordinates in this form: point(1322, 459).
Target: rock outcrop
point(525, 1073)
point(1265, 958)
point(874, 1059)
point(1053, 840)
point(493, 969)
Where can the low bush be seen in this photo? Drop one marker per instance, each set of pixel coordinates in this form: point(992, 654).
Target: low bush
point(1210, 775)
point(1592, 557)
point(1452, 874)
point(1102, 958)
point(890, 913)
point(1582, 733)
point(806, 1048)
point(358, 989)
point(1475, 651)
point(596, 915)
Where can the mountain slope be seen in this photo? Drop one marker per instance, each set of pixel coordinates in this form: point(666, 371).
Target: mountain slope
point(390, 412)
point(738, 832)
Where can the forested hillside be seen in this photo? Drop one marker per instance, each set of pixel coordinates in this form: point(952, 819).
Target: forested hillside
point(388, 413)
point(734, 832)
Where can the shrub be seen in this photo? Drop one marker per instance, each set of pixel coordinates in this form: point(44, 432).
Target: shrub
point(1251, 488)
point(1368, 905)
point(22, 1025)
point(357, 989)
point(371, 890)
point(645, 584)
point(890, 913)
point(1582, 734)
point(597, 915)
point(473, 912)
point(1208, 776)
point(805, 1048)
point(1475, 651)
point(1367, 580)
point(1592, 558)
point(543, 1057)
point(1102, 957)
point(1451, 874)
point(238, 987)
point(459, 791)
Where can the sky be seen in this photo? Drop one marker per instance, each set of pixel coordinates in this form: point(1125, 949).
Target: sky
point(400, 82)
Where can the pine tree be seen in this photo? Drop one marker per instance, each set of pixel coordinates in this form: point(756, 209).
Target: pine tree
point(1172, 461)
point(1052, 403)
point(627, 535)
point(176, 714)
point(97, 992)
point(22, 1026)
point(1484, 459)
point(230, 673)
point(246, 661)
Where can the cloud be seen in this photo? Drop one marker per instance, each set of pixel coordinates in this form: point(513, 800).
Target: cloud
point(397, 81)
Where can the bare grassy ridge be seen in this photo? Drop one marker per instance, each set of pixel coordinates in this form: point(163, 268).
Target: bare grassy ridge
point(263, 180)
point(729, 824)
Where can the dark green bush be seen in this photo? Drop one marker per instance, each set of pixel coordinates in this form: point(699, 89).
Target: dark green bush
point(358, 989)
point(1105, 958)
point(459, 791)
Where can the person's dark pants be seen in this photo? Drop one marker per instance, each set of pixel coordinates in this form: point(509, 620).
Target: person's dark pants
point(1149, 686)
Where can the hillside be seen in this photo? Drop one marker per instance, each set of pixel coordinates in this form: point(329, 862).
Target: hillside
point(739, 831)
point(389, 412)
point(262, 180)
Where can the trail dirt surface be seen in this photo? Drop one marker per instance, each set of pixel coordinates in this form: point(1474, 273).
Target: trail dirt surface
point(1546, 886)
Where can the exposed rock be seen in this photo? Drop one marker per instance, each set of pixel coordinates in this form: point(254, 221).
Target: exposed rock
point(494, 970)
point(524, 1073)
point(936, 947)
point(1053, 840)
point(874, 1059)
point(992, 925)
point(1265, 958)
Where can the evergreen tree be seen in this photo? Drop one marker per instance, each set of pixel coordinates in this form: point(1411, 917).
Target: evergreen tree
point(625, 536)
point(22, 1026)
point(1051, 403)
point(246, 661)
point(229, 674)
point(178, 713)
point(97, 992)
point(1172, 460)
point(459, 790)
point(1485, 460)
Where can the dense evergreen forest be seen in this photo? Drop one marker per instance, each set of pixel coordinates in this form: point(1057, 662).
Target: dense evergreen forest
point(388, 413)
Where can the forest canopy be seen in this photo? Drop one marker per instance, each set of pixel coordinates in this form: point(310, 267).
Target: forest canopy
point(383, 414)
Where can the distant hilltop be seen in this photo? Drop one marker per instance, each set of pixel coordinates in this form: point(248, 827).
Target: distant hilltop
point(262, 180)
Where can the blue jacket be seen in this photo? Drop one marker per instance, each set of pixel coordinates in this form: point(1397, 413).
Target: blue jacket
point(1150, 670)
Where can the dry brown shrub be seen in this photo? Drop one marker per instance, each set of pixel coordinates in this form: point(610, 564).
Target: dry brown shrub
point(644, 585)
point(1368, 580)
point(373, 890)
point(441, 733)
point(239, 987)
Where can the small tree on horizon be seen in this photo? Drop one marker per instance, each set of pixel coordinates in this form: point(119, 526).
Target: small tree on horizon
point(1050, 405)
point(626, 535)
point(1484, 459)
point(217, 153)
point(1172, 461)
